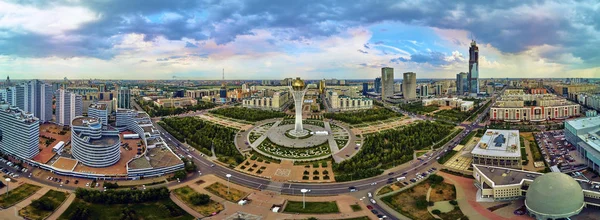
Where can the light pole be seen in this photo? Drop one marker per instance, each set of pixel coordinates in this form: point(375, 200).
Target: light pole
point(303, 191)
point(228, 176)
point(7, 181)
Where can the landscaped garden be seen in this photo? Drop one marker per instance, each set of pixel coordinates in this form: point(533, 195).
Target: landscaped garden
point(389, 148)
point(153, 111)
point(149, 204)
point(44, 206)
point(248, 114)
point(369, 115)
point(273, 149)
point(204, 135)
point(253, 137)
point(17, 194)
point(454, 115)
point(311, 207)
point(199, 202)
point(220, 190)
point(413, 203)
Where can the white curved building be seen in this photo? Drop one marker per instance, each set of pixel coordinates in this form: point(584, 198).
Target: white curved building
point(92, 144)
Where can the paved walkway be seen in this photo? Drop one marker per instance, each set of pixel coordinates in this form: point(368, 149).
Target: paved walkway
point(63, 207)
point(13, 211)
point(332, 144)
point(184, 206)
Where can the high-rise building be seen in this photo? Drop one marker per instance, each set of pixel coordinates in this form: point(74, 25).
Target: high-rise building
point(102, 88)
point(19, 132)
point(409, 86)
point(377, 85)
point(124, 98)
point(7, 84)
point(365, 88)
point(68, 106)
point(439, 89)
point(99, 110)
point(34, 97)
point(461, 83)
point(387, 81)
point(473, 68)
point(424, 91)
point(322, 86)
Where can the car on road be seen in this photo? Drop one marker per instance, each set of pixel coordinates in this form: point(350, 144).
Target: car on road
point(369, 207)
point(374, 212)
point(212, 165)
point(373, 201)
point(391, 173)
point(352, 189)
point(370, 195)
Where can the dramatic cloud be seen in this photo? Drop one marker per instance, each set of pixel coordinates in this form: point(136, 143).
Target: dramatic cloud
point(564, 34)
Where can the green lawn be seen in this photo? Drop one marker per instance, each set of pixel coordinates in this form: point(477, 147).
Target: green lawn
point(311, 207)
point(446, 157)
point(16, 195)
point(162, 209)
point(184, 194)
point(55, 198)
point(356, 207)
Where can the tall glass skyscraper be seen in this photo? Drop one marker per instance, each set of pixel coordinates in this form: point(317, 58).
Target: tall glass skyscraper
point(473, 68)
point(124, 98)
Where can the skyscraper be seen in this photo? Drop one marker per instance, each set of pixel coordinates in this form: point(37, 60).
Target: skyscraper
point(19, 132)
point(33, 97)
point(461, 83)
point(473, 68)
point(7, 84)
point(365, 88)
point(377, 85)
point(409, 86)
point(387, 81)
point(123, 98)
point(68, 106)
point(424, 90)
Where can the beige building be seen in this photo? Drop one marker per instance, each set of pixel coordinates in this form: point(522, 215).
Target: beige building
point(346, 103)
point(515, 105)
point(275, 102)
point(498, 148)
point(175, 102)
point(452, 102)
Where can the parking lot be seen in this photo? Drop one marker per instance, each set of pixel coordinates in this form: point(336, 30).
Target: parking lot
point(557, 151)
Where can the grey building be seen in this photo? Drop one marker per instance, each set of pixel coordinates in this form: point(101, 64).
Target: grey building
point(124, 98)
point(377, 85)
point(461, 83)
point(19, 132)
point(409, 86)
point(68, 106)
point(387, 82)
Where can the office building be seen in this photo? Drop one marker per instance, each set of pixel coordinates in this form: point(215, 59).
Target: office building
point(365, 88)
point(451, 102)
point(19, 132)
point(34, 97)
point(409, 86)
point(278, 101)
point(92, 144)
point(473, 76)
point(387, 82)
point(7, 84)
point(100, 111)
point(377, 85)
point(102, 87)
point(175, 102)
point(424, 90)
point(439, 89)
point(346, 103)
point(124, 98)
point(584, 134)
point(68, 106)
point(498, 148)
point(515, 105)
point(461, 83)
point(322, 86)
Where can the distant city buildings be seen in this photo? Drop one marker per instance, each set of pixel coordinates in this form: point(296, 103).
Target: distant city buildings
point(516, 105)
point(365, 88)
point(500, 148)
point(68, 106)
point(409, 86)
point(345, 103)
point(19, 132)
point(377, 85)
point(387, 81)
point(175, 102)
point(451, 102)
point(473, 76)
point(275, 102)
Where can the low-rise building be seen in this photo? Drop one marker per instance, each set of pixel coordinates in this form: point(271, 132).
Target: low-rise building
point(92, 144)
point(451, 102)
point(584, 134)
point(498, 148)
point(347, 103)
point(175, 102)
point(515, 105)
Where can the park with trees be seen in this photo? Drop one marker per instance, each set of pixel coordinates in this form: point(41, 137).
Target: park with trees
point(204, 135)
point(357, 117)
point(389, 148)
point(156, 111)
point(248, 114)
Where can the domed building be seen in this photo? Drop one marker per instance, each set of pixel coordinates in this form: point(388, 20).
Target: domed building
point(554, 196)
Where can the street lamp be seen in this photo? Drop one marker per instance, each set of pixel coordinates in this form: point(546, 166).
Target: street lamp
point(228, 176)
point(303, 191)
point(7, 181)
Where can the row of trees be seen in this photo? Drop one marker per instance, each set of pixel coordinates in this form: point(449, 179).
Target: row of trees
point(248, 114)
point(203, 136)
point(418, 108)
point(122, 196)
point(155, 111)
point(389, 148)
point(357, 117)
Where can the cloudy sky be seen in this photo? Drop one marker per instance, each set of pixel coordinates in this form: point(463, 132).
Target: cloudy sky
point(256, 39)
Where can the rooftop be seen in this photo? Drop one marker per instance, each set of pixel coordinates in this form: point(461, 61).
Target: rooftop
point(105, 140)
point(80, 121)
point(99, 106)
point(582, 123)
point(160, 156)
point(501, 143)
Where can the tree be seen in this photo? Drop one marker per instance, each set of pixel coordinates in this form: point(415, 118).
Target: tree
point(199, 199)
point(180, 174)
point(435, 179)
point(453, 202)
point(421, 203)
point(43, 204)
point(436, 212)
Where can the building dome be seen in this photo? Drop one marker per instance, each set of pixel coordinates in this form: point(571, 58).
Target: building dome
point(298, 84)
point(554, 195)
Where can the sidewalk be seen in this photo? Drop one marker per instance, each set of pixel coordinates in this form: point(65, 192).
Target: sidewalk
point(63, 207)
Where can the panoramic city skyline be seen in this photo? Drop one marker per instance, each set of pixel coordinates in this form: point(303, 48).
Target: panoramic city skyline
point(324, 39)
